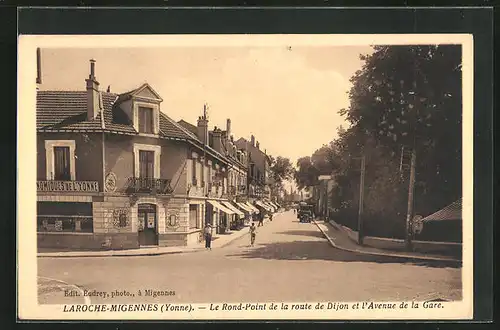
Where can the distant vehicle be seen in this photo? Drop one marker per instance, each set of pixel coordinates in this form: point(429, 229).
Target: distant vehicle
point(305, 212)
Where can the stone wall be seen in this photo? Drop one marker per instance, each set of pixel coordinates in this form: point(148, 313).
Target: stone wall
point(172, 239)
point(112, 231)
point(107, 218)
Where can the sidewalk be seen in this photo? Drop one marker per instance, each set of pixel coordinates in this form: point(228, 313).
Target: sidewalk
point(339, 239)
point(218, 242)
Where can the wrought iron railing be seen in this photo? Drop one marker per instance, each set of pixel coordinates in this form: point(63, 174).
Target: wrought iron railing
point(149, 185)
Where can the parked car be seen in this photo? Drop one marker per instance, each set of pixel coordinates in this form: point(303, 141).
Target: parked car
point(305, 212)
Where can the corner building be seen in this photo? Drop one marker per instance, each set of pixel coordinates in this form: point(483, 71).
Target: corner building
point(115, 172)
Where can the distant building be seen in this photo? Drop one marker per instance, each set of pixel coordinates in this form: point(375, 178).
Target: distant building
point(259, 180)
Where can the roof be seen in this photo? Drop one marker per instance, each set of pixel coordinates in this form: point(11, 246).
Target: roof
point(169, 128)
point(67, 110)
point(149, 92)
point(450, 212)
point(190, 127)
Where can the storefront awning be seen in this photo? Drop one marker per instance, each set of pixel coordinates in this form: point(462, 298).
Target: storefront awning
point(273, 205)
point(245, 207)
point(270, 206)
point(256, 210)
point(234, 209)
point(263, 205)
point(220, 207)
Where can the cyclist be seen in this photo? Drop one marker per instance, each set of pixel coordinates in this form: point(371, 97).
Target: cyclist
point(253, 230)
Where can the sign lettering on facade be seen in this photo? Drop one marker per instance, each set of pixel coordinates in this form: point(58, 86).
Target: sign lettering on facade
point(80, 186)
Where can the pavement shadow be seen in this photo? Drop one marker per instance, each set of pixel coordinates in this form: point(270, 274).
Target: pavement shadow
point(308, 233)
point(321, 250)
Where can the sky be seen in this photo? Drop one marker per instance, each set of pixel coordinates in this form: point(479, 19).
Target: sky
point(287, 97)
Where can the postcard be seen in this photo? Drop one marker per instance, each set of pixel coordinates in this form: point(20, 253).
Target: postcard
point(224, 177)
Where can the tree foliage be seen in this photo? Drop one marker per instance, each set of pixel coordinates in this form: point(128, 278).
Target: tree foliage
point(281, 169)
point(403, 98)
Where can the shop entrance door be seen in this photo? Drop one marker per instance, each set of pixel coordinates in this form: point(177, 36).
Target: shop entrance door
point(147, 216)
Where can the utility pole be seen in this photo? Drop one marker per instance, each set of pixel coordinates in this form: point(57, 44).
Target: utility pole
point(361, 201)
point(411, 190)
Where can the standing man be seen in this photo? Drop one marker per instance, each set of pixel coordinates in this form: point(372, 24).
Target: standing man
point(253, 231)
point(208, 236)
point(261, 218)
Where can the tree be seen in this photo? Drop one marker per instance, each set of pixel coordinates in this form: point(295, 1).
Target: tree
point(281, 169)
point(306, 174)
point(410, 97)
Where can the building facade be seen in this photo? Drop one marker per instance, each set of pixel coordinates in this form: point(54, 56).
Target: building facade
point(114, 171)
point(259, 180)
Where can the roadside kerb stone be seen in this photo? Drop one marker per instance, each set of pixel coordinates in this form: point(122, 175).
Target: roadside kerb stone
point(144, 251)
point(383, 254)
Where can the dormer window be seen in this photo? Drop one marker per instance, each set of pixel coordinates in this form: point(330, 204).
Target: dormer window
point(143, 109)
point(146, 120)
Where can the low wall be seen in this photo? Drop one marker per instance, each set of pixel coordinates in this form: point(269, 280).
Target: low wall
point(87, 241)
point(441, 248)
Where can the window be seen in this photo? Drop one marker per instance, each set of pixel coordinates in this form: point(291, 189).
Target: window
point(62, 164)
point(64, 217)
point(146, 164)
point(60, 160)
point(193, 170)
point(147, 161)
point(209, 179)
point(146, 120)
point(193, 216)
point(202, 166)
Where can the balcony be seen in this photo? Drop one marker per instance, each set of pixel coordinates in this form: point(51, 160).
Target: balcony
point(215, 189)
point(148, 186)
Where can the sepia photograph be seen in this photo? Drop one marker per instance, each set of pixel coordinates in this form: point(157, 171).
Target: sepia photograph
point(246, 177)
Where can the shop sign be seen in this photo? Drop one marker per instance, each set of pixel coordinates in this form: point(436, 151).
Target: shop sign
point(67, 186)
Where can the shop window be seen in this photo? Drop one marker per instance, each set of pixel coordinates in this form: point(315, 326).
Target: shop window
point(64, 217)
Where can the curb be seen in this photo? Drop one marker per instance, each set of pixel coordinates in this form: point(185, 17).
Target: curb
point(387, 254)
point(41, 255)
point(144, 254)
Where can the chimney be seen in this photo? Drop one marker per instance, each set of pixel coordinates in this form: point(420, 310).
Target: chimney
point(202, 131)
point(252, 140)
point(92, 93)
point(228, 128)
point(257, 144)
point(217, 134)
point(38, 66)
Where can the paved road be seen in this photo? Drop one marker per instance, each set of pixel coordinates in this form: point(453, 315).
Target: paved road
point(289, 262)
